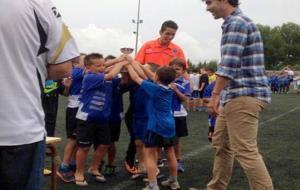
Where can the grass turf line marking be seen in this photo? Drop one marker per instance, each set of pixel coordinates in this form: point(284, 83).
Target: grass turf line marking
point(279, 116)
point(127, 183)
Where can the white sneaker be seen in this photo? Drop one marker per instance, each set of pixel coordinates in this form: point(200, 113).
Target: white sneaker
point(151, 188)
point(174, 185)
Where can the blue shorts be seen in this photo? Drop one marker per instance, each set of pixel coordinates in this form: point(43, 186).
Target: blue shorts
point(212, 121)
point(139, 127)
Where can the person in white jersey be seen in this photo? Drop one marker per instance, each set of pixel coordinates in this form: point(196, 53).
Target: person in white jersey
point(35, 45)
point(195, 95)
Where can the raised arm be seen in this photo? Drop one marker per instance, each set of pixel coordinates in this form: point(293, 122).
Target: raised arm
point(136, 66)
point(139, 69)
point(111, 62)
point(134, 76)
point(115, 70)
point(148, 72)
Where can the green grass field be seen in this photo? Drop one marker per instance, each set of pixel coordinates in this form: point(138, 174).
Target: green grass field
point(278, 139)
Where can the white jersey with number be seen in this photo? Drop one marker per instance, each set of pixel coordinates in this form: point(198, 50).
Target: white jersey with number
point(32, 35)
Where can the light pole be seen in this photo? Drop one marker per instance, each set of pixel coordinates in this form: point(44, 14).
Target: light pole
point(137, 22)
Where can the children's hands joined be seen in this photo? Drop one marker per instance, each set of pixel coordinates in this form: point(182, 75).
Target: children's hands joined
point(128, 58)
point(120, 58)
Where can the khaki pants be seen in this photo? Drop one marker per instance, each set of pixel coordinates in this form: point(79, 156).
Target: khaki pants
point(235, 136)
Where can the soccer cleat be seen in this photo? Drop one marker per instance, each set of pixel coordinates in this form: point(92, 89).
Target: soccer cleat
point(174, 185)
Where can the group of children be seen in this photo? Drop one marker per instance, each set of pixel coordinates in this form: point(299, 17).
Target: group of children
point(280, 81)
point(202, 85)
point(94, 114)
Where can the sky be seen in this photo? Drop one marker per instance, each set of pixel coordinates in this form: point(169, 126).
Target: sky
point(105, 26)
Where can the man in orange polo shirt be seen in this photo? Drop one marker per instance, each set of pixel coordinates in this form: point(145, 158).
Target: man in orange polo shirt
point(161, 51)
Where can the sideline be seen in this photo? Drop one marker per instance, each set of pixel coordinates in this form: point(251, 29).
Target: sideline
point(127, 183)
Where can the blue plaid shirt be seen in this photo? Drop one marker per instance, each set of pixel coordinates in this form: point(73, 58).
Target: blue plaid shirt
point(242, 59)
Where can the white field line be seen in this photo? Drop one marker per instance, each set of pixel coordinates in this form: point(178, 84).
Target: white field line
point(125, 184)
point(278, 117)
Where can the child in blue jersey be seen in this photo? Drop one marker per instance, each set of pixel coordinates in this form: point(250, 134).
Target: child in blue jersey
point(93, 114)
point(115, 119)
point(272, 82)
point(282, 82)
point(140, 120)
point(181, 92)
point(160, 125)
point(72, 89)
point(211, 119)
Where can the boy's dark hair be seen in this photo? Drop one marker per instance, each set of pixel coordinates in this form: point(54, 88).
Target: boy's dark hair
point(153, 66)
point(234, 3)
point(89, 57)
point(109, 57)
point(166, 75)
point(179, 62)
point(168, 24)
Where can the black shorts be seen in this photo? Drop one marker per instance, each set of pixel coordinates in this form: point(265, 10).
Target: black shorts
point(92, 133)
point(181, 127)
point(115, 128)
point(153, 140)
point(201, 94)
point(71, 123)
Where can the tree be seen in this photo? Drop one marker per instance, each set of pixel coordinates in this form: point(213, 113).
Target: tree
point(282, 45)
point(290, 33)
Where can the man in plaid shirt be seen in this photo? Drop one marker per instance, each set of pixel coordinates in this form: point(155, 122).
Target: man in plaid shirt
point(240, 93)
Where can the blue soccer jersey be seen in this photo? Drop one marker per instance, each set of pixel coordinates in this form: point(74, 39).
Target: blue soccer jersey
point(140, 115)
point(183, 86)
point(159, 109)
point(77, 77)
point(140, 102)
point(208, 90)
point(207, 94)
point(96, 98)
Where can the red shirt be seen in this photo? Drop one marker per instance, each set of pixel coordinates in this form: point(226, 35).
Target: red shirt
point(153, 52)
